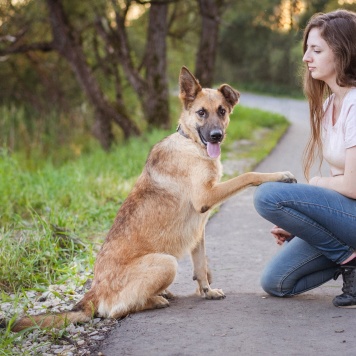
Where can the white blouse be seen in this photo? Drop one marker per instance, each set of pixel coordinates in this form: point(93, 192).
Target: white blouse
point(341, 136)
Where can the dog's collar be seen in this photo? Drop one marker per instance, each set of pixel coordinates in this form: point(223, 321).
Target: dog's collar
point(180, 130)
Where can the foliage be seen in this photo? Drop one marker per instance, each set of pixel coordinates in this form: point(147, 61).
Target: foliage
point(257, 52)
point(43, 80)
point(260, 54)
point(53, 135)
point(260, 46)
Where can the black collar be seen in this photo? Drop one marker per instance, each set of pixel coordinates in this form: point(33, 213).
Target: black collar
point(180, 130)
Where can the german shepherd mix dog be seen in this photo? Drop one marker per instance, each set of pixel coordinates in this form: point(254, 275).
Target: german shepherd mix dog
point(165, 214)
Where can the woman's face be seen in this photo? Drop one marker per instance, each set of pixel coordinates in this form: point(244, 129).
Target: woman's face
point(319, 58)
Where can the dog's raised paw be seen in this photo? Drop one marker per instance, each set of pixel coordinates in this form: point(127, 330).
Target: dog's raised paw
point(288, 177)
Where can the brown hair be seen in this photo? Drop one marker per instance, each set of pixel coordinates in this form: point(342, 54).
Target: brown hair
point(338, 29)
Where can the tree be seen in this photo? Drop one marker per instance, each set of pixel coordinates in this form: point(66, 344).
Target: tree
point(67, 44)
point(66, 41)
point(210, 12)
point(96, 41)
point(259, 45)
point(151, 88)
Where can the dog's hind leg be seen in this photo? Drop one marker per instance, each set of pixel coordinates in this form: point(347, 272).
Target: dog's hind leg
point(148, 278)
point(202, 274)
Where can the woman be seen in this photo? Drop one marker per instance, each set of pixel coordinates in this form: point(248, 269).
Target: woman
point(316, 222)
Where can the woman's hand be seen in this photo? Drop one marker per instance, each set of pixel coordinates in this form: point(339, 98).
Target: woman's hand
point(280, 235)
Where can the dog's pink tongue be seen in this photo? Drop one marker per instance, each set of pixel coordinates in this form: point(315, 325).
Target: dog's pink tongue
point(213, 149)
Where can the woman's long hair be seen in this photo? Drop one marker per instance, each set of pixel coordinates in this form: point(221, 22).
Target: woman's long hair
point(338, 29)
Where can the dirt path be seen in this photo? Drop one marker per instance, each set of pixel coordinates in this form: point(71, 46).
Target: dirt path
point(247, 322)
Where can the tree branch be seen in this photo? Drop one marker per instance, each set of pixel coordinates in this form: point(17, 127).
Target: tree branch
point(40, 46)
point(155, 2)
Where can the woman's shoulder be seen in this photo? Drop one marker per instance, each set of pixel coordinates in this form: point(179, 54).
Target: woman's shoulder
point(350, 97)
point(349, 108)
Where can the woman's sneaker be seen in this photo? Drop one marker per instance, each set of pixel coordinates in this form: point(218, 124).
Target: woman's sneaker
point(348, 298)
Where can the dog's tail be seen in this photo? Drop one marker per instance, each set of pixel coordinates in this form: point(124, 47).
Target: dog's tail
point(81, 313)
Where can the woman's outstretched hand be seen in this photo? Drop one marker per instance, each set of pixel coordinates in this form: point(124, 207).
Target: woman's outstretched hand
point(280, 235)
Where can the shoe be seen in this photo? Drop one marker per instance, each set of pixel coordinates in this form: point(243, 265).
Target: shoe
point(348, 298)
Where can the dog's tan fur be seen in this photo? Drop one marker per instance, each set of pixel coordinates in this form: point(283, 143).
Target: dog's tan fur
point(164, 216)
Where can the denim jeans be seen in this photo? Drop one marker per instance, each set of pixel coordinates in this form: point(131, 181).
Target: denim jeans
point(324, 225)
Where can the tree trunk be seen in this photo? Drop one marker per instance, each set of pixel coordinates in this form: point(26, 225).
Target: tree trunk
point(68, 45)
point(156, 101)
point(151, 90)
point(205, 59)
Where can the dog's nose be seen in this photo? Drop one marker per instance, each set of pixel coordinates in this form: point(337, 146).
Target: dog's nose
point(216, 135)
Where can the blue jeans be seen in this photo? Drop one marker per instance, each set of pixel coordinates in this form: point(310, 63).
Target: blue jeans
point(324, 224)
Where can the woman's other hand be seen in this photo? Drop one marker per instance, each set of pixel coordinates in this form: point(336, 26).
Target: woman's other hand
point(280, 235)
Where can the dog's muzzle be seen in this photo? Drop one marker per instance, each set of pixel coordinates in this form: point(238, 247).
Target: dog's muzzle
point(212, 143)
point(216, 136)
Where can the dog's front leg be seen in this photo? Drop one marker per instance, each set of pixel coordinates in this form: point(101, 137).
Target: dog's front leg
point(202, 274)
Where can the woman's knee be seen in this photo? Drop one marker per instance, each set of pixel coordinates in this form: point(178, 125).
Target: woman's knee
point(273, 285)
point(270, 285)
point(265, 198)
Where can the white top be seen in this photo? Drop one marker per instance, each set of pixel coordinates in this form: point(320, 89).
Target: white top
point(337, 138)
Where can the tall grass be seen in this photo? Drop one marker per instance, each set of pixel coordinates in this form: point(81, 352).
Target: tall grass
point(38, 137)
point(45, 213)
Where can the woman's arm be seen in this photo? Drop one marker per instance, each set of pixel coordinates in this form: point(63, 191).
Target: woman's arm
point(344, 184)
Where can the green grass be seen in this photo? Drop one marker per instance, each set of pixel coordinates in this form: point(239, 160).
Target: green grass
point(245, 121)
point(47, 212)
point(259, 129)
point(54, 216)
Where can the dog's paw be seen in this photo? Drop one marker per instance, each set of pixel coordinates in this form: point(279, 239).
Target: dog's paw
point(215, 294)
point(157, 302)
point(167, 295)
point(287, 177)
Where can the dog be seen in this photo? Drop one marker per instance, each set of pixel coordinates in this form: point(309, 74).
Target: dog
point(165, 214)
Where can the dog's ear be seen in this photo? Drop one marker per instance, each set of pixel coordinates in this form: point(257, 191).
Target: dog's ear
point(230, 94)
point(189, 86)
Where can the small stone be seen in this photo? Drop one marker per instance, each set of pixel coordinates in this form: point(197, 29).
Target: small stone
point(45, 296)
point(30, 294)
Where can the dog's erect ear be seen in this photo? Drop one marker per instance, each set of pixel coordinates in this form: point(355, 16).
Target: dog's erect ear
point(230, 94)
point(189, 86)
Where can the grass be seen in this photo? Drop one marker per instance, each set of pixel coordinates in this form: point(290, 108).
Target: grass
point(47, 212)
point(53, 216)
point(261, 129)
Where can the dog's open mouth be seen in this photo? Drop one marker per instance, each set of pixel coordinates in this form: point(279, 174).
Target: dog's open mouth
point(213, 148)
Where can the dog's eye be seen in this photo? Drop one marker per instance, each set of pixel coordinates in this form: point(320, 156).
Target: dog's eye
point(201, 113)
point(222, 111)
